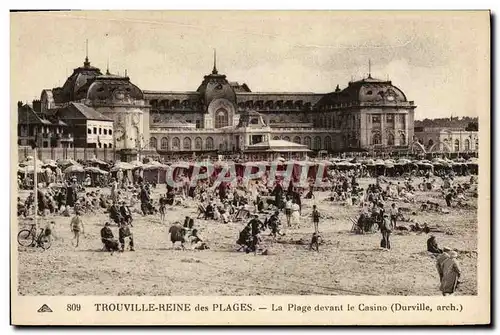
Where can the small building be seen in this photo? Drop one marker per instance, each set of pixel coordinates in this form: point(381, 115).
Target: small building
point(90, 128)
point(47, 132)
point(273, 149)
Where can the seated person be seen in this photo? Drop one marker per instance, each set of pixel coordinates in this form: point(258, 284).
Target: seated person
point(114, 213)
point(126, 213)
point(432, 245)
point(209, 211)
point(124, 232)
point(108, 239)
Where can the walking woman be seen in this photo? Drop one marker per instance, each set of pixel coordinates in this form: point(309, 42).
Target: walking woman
point(77, 227)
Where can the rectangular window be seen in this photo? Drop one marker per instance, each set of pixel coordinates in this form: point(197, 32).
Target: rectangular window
point(198, 123)
point(95, 130)
point(376, 118)
point(100, 131)
point(390, 118)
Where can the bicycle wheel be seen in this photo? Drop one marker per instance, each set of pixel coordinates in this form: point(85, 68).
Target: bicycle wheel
point(45, 242)
point(25, 238)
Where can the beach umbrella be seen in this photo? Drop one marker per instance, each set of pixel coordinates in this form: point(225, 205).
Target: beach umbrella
point(95, 160)
point(66, 162)
point(93, 169)
point(152, 165)
point(136, 163)
point(122, 166)
point(403, 161)
point(74, 169)
point(31, 169)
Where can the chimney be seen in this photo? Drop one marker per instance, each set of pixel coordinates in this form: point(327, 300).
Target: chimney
point(19, 104)
point(37, 106)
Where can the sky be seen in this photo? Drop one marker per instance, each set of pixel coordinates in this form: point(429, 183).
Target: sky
point(439, 59)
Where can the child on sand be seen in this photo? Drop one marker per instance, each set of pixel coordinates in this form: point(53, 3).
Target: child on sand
point(77, 227)
point(315, 215)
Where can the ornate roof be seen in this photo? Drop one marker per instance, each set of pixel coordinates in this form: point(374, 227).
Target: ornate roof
point(113, 88)
point(367, 90)
point(75, 87)
point(216, 86)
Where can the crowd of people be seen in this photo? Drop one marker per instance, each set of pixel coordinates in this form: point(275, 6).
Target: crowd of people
point(260, 205)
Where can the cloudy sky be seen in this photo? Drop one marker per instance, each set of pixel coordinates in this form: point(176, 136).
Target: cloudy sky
point(437, 59)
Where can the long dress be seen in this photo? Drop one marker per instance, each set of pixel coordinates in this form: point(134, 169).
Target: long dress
point(451, 273)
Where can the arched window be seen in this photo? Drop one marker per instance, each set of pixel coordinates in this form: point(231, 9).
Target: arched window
point(104, 146)
point(467, 145)
point(105, 131)
point(376, 139)
point(328, 143)
point(477, 144)
point(164, 143)
point(286, 138)
point(402, 140)
point(221, 118)
point(457, 145)
point(89, 131)
point(390, 139)
point(198, 143)
point(153, 142)
point(110, 145)
point(210, 143)
point(317, 143)
point(431, 143)
point(297, 140)
point(176, 144)
point(307, 141)
point(186, 144)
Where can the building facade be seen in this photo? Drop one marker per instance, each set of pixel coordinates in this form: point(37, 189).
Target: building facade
point(451, 140)
point(223, 116)
point(33, 128)
point(105, 110)
point(368, 114)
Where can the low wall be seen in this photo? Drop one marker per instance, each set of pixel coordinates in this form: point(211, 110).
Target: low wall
point(68, 153)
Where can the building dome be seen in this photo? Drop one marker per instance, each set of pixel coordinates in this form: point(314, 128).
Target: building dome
point(113, 89)
point(368, 90)
point(374, 90)
point(215, 86)
point(75, 87)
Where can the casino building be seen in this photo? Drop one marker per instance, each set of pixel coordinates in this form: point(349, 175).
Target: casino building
point(226, 117)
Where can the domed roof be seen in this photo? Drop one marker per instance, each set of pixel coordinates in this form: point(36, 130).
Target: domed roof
point(216, 86)
point(375, 90)
point(368, 90)
point(113, 88)
point(75, 87)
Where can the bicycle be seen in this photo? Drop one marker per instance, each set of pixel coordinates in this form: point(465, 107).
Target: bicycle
point(29, 238)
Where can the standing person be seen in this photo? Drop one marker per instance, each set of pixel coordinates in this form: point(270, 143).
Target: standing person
point(163, 204)
point(77, 227)
point(394, 215)
point(119, 177)
point(288, 211)
point(448, 198)
point(71, 193)
point(451, 272)
point(386, 229)
point(316, 215)
point(114, 190)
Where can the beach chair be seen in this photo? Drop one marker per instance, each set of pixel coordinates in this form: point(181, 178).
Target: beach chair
point(201, 211)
